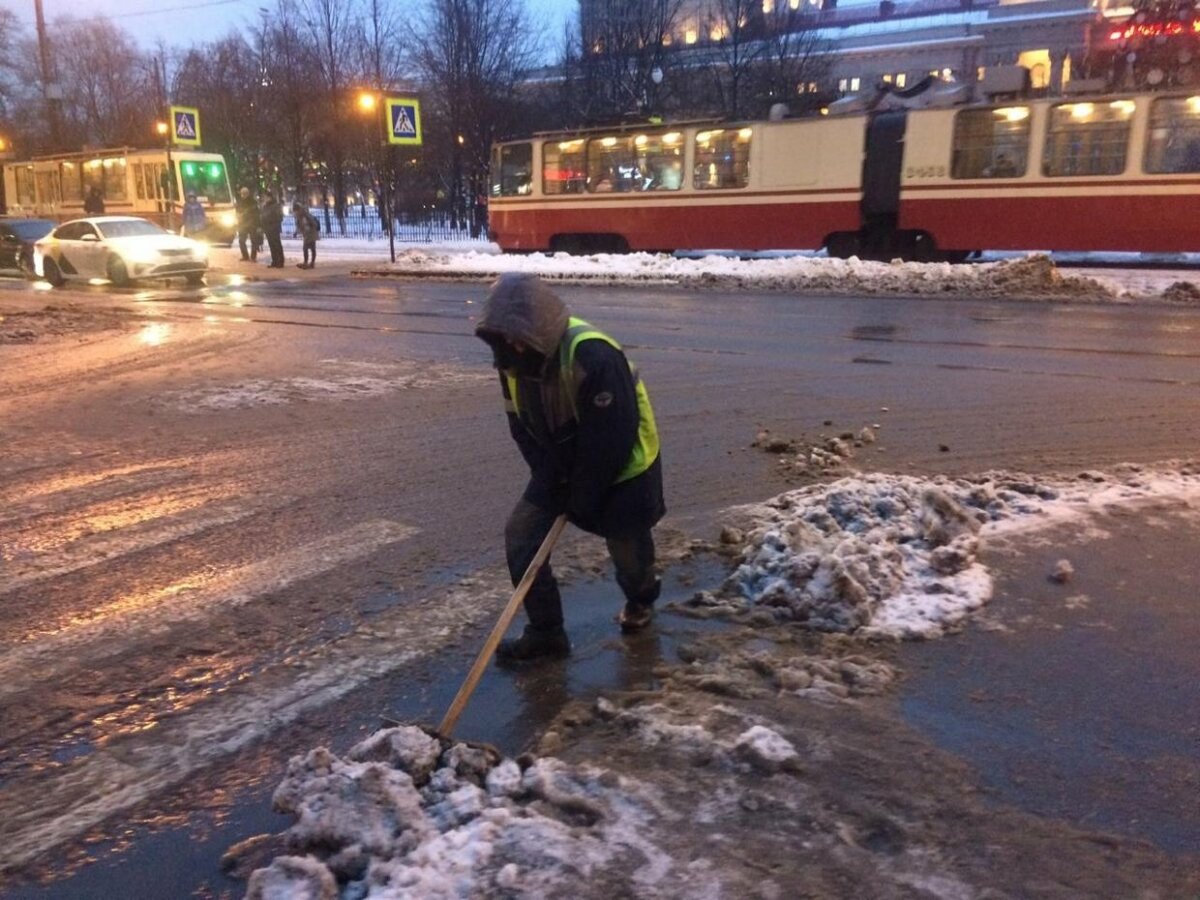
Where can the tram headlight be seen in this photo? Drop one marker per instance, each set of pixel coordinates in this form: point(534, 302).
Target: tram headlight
point(229, 219)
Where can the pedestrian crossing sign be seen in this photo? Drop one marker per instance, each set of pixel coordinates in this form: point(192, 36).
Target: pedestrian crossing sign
point(185, 125)
point(404, 120)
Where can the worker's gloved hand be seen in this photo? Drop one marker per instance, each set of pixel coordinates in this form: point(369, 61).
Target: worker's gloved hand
point(583, 511)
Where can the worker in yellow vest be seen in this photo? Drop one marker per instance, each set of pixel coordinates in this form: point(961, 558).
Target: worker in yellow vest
point(582, 419)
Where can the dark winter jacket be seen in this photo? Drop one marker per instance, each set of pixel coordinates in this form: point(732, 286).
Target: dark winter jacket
point(194, 217)
point(576, 447)
point(247, 215)
point(270, 216)
point(307, 225)
point(93, 203)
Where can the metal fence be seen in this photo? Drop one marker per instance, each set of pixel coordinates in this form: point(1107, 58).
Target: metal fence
point(365, 222)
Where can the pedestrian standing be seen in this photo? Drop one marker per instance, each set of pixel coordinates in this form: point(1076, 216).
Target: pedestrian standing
point(194, 218)
point(309, 230)
point(248, 228)
point(270, 218)
point(582, 420)
point(93, 203)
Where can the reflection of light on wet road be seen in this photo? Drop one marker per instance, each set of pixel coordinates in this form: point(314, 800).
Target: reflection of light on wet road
point(154, 334)
point(121, 514)
point(42, 286)
point(96, 282)
point(113, 627)
point(61, 483)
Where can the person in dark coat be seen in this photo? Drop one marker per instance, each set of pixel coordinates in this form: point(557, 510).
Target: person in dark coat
point(583, 422)
point(270, 218)
point(93, 203)
point(309, 229)
point(195, 220)
point(248, 227)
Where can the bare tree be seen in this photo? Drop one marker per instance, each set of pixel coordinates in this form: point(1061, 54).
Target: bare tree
point(331, 27)
point(224, 78)
point(624, 43)
point(105, 78)
point(11, 33)
point(795, 61)
point(737, 32)
point(472, 56)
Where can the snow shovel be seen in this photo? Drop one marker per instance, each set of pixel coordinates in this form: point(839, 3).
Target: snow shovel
point(506, 617)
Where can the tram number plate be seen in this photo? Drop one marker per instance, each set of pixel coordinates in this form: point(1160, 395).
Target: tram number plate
point(925, 172)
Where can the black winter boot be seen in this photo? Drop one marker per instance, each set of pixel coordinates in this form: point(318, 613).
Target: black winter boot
point(534, 644)
point(638, 613)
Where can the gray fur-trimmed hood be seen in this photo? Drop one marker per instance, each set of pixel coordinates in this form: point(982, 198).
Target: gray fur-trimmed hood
point(520, 307)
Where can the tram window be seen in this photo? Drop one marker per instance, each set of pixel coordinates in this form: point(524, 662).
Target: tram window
point(1088, 138)
point(723, 158)
point(205, 179)
point(659, 161)
point(72, 186)
point(107, 176)
point(139, 183)
point(512, 170)
point(24, 179)
point(1173, 143)
point(612, 165)
point(564, 167)
point(991, 143)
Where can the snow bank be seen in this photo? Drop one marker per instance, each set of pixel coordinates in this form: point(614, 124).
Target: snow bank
point(410, 815)
point(1026, 277)
point(897, 556)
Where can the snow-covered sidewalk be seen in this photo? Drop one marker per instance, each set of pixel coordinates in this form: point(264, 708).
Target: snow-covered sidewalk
point(1027, 277)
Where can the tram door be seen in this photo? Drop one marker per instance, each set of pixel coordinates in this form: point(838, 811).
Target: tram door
point(883, 161)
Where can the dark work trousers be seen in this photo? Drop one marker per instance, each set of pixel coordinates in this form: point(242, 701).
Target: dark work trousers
point(527, 527)
point(243, 237)
point(310, 253)
point(276, 245)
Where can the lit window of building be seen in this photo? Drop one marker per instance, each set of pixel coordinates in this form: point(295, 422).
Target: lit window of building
point(768, 6)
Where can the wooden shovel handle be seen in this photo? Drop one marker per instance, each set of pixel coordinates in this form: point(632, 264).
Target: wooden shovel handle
point(506, 617)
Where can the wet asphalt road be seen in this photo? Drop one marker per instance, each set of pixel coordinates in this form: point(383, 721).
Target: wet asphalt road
point(242, 527)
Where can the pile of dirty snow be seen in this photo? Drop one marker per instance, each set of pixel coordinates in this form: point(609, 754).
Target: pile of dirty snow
point(898, 556)
point(1033, 276)
point(337, 381)
point(411, 815)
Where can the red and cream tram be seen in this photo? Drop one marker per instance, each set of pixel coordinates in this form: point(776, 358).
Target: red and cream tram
point(1111, 172)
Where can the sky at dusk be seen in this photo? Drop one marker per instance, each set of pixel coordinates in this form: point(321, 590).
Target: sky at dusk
point(187, 21)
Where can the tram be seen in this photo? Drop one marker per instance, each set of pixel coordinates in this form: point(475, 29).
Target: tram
point(132, 182)
point(924, 174)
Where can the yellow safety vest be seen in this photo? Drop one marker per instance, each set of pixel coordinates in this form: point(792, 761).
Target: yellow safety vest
point(645, 450)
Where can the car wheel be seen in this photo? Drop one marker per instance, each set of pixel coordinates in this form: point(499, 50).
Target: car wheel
point(25, 265)
point(51, 273)
point(117, 273)
point(195, 279)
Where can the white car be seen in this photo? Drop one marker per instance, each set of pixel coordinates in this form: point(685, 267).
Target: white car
point(121, 249)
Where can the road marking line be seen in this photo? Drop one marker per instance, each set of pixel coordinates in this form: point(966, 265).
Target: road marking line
point(112, 629)
point(51, 499)
point(96, 549)
point(38, 815)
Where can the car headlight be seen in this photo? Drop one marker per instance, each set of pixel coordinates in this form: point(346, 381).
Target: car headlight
point(229, 219)
point(145, 256)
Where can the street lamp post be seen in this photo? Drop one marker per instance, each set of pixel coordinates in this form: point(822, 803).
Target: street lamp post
point(164, 130)
point(372, 103)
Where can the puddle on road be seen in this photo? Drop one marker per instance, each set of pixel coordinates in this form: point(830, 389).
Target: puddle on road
point(177, 854)
point(1082, 706)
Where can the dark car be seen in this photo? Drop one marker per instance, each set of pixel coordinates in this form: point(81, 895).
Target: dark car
point(17, 237)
